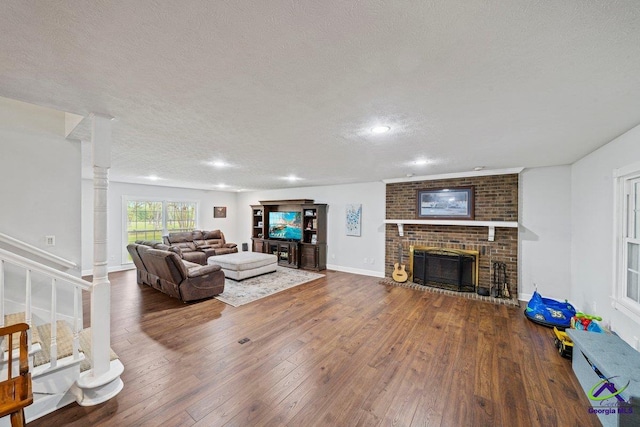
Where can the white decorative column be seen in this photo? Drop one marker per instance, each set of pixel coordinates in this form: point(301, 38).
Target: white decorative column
point(101, 295)
point(102, 381)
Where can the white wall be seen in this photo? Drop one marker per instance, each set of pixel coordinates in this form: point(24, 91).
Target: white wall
point(344, 253)
point(39, 179)
point(39, 196)
point(592, 229)
point(116, 240)
point(545, 232)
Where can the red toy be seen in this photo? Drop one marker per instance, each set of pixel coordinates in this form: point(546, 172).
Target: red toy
point(586, 322)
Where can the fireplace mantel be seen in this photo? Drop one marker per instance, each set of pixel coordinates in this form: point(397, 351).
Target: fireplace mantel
point(491, 225)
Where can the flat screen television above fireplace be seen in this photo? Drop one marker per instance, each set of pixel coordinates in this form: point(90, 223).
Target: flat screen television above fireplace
point(285, 225)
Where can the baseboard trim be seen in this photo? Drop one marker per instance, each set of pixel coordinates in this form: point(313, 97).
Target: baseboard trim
point(524, 297)
point(112, 269)
point(355, 271)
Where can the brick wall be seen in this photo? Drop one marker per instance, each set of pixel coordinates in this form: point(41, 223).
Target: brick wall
point(496, 199)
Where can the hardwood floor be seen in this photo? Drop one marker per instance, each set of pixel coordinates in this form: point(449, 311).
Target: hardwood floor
point(343, 350)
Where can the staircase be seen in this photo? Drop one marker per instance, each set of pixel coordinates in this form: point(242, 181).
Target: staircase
point(68, 363)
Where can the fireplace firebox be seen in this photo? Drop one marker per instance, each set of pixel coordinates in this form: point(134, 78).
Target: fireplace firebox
point(445, 268)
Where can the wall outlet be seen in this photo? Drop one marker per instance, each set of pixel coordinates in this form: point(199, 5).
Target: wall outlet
point(50, 240)
point(371, 261)
point(366, 261)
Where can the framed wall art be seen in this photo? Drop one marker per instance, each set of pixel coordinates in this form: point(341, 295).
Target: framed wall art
point(353, 220)
point(220, 212)
point(446, 203)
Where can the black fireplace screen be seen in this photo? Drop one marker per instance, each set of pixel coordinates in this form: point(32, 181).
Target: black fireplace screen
point(444, 269)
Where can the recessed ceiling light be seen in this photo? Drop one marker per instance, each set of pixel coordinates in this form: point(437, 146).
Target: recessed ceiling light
point(420, 162)
point(218, 163)
point(222, 185)
point(380, 129)
point(153, 178)
point(478, 168)
point(292, 178)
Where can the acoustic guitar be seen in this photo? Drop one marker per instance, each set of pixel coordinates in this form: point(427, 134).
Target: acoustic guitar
point(399, 274)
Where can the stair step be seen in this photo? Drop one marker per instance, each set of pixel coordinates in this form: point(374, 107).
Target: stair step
point(12, 319)
point(64, 342)
point(41, 342)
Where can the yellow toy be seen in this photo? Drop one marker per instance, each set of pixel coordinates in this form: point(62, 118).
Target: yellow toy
point(563, 343)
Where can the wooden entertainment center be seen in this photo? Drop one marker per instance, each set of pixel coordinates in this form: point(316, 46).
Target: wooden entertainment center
point(293, 230)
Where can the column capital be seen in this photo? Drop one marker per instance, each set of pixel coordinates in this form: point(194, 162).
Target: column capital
point(101, 116)
point(101, 140)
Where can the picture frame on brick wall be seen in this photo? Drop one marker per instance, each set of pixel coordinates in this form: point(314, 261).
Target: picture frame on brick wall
point(446, 203)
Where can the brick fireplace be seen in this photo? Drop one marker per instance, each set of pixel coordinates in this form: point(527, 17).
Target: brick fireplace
point(496, 199)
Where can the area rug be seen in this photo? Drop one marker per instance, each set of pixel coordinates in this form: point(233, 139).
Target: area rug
point(467, 295)
point(248, 290)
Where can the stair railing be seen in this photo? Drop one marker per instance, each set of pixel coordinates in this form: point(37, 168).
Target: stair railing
point(37, 251)
point(58, 279)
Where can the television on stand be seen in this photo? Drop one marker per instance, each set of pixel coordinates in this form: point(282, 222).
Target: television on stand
point(285, 225)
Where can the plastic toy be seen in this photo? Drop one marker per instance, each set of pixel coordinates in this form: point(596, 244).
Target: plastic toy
point(581, 321)
point(549, 312)
point(563, 343)
point(586, 322)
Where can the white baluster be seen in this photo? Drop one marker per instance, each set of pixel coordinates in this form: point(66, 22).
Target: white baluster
point(76, 326)
point(1, 292)
point(54, 325)
point(27, 310)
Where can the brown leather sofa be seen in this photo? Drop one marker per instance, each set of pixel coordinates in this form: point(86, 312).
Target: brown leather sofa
point(165, 271)
point(198, 245)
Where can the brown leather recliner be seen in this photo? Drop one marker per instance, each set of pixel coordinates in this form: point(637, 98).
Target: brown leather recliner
point(142, 275)
point(215, 240)
point(167, 272)
point(196, 246)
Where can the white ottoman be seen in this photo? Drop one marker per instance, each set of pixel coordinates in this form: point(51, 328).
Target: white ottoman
point(243, 265)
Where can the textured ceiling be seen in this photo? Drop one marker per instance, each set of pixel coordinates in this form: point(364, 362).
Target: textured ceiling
point(276, 88)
